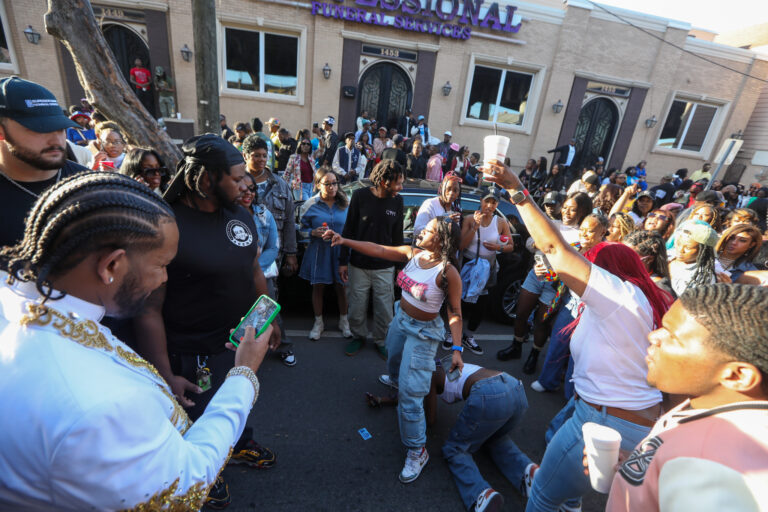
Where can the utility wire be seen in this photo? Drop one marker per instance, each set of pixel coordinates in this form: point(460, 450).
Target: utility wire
point(674, 45)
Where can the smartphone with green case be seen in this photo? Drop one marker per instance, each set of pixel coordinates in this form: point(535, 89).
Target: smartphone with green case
point(261, 314)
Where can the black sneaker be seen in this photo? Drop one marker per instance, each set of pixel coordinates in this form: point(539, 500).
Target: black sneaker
point(289, 359)
point(218, 497)
point(529, 368)
point(471, 344)
point(514, 351)
point(254, 455)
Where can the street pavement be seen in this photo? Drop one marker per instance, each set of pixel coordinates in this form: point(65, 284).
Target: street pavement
point(310, 414)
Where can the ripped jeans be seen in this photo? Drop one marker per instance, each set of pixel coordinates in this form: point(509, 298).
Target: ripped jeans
point(411, 348)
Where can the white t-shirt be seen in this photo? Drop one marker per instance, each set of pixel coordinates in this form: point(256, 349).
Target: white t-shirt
point(428, 210)
point(609, 344)
point(638, 219)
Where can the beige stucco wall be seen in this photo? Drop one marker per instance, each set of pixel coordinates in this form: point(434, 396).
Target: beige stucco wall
point(580, 44)
point(38, 62)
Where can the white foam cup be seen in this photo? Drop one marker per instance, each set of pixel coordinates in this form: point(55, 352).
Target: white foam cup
point(495, 147)
point(602, 448)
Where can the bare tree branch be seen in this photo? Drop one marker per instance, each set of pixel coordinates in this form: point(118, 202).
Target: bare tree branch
point(72, 22)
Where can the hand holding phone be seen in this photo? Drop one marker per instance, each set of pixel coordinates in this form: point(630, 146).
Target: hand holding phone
point(261, 314)
point(252, 350)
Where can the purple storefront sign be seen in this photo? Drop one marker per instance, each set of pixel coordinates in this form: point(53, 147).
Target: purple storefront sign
point(402, 11)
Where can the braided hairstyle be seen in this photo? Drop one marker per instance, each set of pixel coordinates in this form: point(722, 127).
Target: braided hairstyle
point(650, 243)
point(705, 267)
point(625, 224)
point(449, 177)
point(736, 316)
point(386, 171)
point(80, 215)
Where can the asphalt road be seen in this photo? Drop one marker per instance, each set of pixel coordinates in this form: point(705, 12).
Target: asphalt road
point(310, 414)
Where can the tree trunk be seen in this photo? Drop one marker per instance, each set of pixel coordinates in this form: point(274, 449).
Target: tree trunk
point(73, 23)
point(206, 66)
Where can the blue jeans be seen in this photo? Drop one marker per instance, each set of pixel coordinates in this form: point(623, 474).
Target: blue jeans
point(306, 190)
point(561, 476)
point(560, 419)
point(411, 348)
point(558, 351)
point(494, 407)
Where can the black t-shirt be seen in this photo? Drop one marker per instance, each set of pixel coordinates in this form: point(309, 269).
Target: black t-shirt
point(372, 219)
point(210, 282)
point(416, 166)
point(15, 203)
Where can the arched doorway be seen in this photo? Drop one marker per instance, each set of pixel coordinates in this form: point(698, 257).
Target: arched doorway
point(385, 92)
point(127, 46)
point(595, 129)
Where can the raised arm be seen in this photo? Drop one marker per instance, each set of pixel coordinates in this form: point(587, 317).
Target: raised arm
point(571, 267)
point(623, 198)
point(400, 253)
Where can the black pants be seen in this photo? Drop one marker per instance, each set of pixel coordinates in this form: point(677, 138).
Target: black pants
point(219, 364)
point(476, 312)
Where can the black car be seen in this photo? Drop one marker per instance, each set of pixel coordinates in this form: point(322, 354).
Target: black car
point(513, 267)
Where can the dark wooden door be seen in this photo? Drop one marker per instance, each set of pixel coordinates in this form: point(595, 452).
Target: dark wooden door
point(385, 92)
point(594, 132)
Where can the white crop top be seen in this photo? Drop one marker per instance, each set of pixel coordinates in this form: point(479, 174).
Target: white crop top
point(419, 285)
point(453, 391)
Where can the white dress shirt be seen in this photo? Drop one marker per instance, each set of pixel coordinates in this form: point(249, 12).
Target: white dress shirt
point(88, 424)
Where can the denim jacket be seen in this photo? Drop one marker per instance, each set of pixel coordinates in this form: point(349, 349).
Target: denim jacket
point(278, 199)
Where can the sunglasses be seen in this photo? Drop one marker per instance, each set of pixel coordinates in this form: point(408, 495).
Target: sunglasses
point(657, 216)
point(252, 190)
point(160, 171)
point(329, 184)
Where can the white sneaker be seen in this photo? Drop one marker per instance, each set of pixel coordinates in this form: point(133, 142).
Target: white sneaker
point(344, 326)
point(527, 483)
point(317, 329)
point(538, 387)
point(414, 463)
point(387, 381)
point(489, 501)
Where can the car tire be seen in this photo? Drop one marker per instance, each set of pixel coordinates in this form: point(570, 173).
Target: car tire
point(503, 297)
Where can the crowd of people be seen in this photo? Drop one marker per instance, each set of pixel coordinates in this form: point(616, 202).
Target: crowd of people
point(121, 279)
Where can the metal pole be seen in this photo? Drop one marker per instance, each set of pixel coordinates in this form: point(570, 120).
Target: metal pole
point(206, 66)
point(720, 165)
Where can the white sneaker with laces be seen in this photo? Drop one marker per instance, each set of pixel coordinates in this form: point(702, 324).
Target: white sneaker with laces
point(414, 463)
point(317, 329)
point(344, 326)
point(536, 386)
point(471, 344)
point(489, 501)
point(387, 381)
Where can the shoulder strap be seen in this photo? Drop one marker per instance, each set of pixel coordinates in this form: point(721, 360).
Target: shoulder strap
point(477, 251)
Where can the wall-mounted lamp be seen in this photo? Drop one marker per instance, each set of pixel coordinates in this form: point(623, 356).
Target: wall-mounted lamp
point(327, 71)
point(186, 53)
point(557, 107)
point(32, 35)
point(447, 88)
point(651, 121)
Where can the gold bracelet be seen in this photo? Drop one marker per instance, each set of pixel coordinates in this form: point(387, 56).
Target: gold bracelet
point(247, 373)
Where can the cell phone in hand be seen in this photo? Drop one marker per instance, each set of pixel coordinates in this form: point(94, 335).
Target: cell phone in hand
point(540, 259)
point(261, 314)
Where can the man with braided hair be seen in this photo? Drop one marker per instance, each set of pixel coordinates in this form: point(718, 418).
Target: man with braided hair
point(213, 282)
point(710, 453)
point(87, 423)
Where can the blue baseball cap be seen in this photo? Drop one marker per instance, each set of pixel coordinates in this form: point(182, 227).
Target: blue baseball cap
point(32, 106)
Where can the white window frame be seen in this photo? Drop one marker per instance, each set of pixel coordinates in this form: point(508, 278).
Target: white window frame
point(259, 25)
point(537, 73)
point(715, 127)
point(13, 66)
